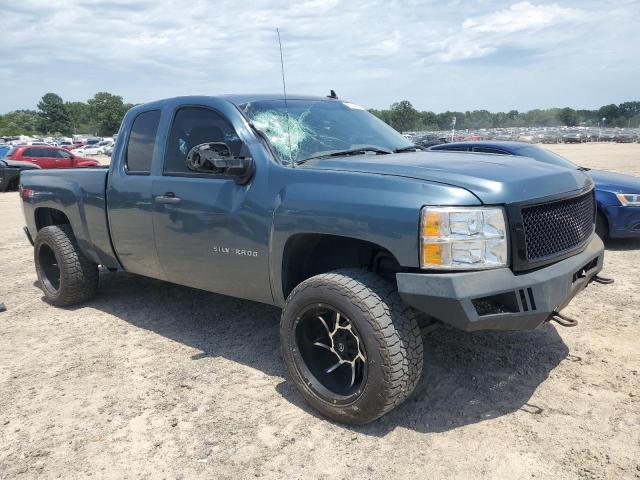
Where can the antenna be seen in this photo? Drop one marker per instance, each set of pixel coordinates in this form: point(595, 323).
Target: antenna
point(286, 105)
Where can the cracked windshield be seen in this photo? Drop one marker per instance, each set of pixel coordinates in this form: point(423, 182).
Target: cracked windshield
point(305, 129)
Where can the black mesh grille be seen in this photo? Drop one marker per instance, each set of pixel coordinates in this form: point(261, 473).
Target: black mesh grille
point(557, 227)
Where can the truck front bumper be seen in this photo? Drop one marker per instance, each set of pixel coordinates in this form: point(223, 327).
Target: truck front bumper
point(500, 299)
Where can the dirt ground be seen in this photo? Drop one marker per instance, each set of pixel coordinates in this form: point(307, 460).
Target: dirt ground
point(153, 380)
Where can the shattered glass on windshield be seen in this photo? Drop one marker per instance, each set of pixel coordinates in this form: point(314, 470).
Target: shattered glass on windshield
point(301, 129)
point(285, 132)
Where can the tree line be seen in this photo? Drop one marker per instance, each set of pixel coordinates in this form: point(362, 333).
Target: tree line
point(404, 117)
point(100, 115)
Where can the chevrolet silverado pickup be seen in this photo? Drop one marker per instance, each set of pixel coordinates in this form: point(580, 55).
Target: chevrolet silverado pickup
point(314, 205)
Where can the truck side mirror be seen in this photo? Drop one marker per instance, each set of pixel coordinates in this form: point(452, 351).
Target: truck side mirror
point(216, 157)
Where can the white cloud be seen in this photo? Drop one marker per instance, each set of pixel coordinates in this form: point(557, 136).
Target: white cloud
point(521, 16)
point(514, 27)
point(375, 52)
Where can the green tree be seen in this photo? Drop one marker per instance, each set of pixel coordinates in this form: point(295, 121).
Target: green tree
point(81, 117)
point(381, 114)
point(568, 117)
point(107, 111)
point(429, 120)
point(20, 122)
point(610, 112)
point(403, 117)
point(53, 115)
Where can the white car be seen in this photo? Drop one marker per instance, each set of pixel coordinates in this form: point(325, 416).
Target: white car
point(105, 149)
point(87, 150)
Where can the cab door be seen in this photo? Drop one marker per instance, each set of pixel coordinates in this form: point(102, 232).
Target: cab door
point(211, 233)
point(129, 199)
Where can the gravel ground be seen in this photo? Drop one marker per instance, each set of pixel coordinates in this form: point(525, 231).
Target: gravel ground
point(153, 380)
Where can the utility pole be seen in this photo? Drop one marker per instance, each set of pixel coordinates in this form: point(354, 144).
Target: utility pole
point(453, 128)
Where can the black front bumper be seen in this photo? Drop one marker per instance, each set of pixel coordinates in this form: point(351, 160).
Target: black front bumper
point(500, 299)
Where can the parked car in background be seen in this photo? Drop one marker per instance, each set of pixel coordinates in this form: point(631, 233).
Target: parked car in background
point(573, 137)
point(49, 157)
point(550, 137)
point(10, 173)
point(625, 138)
point(108, 149)
point(430, 140)
point(4, 149)
point(617, 195)
point(88, 150)
point(527, 137)
point(102, 148)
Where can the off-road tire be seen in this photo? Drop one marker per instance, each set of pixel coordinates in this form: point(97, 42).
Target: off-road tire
point(78, 278)
point(387, 327)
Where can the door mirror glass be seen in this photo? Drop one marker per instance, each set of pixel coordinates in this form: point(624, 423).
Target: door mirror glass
point(216, 157)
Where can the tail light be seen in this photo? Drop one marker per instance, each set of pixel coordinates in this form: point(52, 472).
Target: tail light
point(26, 193)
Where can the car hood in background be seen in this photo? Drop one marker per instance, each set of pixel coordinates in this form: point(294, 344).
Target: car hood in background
point(22, 165)
point(494, 179)
point(615, 182)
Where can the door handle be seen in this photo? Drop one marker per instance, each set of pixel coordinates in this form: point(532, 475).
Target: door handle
point(168, 198)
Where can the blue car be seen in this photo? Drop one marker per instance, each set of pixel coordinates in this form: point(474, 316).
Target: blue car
point(617, 195)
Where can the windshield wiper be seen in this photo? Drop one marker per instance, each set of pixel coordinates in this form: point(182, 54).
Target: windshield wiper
point(584, 169)
point(351, 151)
point(410, 148)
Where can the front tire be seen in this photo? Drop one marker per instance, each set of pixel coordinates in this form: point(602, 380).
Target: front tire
point(352, 347)
point(66, 276)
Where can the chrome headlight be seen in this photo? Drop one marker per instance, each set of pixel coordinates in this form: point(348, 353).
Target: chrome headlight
point(629, 199)
point(463, 238)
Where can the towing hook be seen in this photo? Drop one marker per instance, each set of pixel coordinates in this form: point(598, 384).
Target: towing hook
point(562, 320)
point(603, 280)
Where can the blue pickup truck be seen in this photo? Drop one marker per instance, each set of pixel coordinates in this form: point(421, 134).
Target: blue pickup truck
point(315, 206)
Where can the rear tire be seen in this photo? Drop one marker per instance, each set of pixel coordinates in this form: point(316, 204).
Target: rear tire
point(66, 276)
point(360, 316)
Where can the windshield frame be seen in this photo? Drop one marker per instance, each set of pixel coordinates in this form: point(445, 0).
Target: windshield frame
point(292, 161)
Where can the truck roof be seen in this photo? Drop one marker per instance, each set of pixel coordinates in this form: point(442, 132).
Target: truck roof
point(234, 98)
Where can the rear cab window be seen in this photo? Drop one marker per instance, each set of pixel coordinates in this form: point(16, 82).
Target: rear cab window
point(141, 143)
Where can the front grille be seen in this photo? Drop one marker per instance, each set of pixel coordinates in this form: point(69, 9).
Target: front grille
point(554, 228)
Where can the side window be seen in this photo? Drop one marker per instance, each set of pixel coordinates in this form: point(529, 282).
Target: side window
point(31, 152)
point(48, 153)
point(62, 154)
point(142, 142)
point(193, 126)
point(488, 150)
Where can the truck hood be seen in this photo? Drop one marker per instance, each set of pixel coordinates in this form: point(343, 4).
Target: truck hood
point(494, 179)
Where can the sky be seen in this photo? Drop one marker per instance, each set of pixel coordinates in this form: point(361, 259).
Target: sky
point(439, 55)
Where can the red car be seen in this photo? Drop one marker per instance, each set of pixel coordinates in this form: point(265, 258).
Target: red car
point(49, 157)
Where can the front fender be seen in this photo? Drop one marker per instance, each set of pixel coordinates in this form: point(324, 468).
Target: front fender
point(380, 209)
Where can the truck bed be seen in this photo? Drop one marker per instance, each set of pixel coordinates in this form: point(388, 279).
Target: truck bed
point(80, 194)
